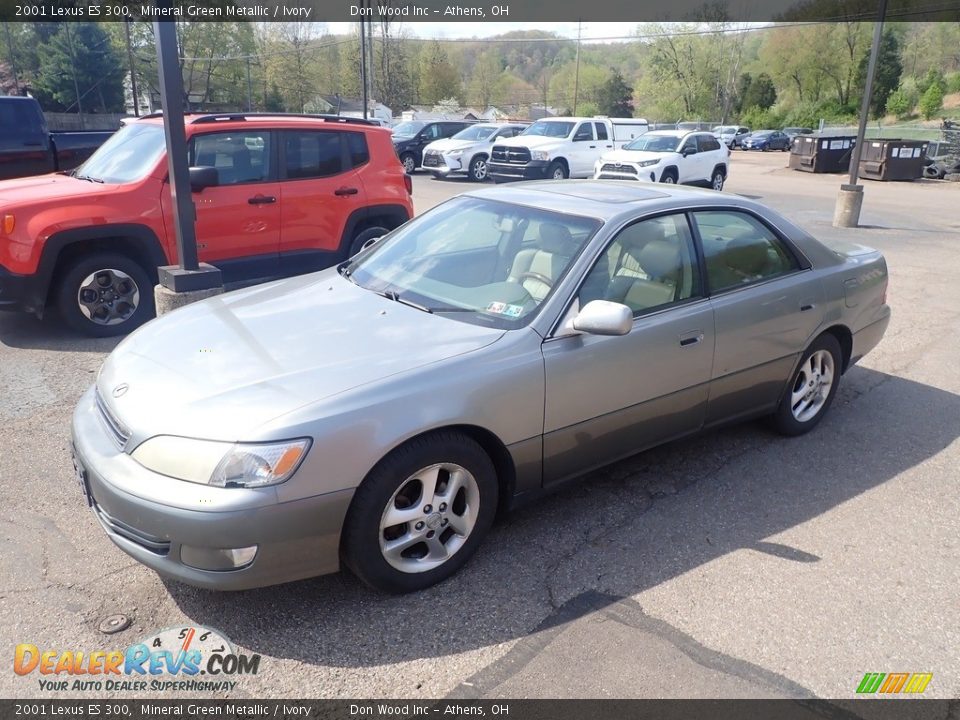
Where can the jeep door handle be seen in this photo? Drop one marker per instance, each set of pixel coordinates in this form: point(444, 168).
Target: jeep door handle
point(262, 200)
point(345, 191)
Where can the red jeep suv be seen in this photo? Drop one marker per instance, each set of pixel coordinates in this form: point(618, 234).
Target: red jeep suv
point(291, 195)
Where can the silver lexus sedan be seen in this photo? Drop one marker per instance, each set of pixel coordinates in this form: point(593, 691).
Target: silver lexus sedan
point(379, 414)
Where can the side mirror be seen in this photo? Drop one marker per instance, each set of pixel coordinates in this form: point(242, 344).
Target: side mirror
point(602, 317)
point(687, 151)
point(203, 177)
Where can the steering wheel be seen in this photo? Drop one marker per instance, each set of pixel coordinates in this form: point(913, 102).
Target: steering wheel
point(536, 276)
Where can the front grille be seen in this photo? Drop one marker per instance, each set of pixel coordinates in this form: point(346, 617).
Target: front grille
point(113, 426)
point(511, 155)
point(156, 545)
point(620, 169)
point(431, 159)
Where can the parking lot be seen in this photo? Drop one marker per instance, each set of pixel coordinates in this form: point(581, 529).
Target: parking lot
point(735, 564)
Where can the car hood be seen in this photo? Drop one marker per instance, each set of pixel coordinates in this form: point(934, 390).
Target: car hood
point(633, 156)
point(222, 367)
point(48, 187)
point(532, 141)
point(449, 144)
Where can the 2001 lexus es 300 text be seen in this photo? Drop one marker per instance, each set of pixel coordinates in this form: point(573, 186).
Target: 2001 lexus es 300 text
point(380, 413)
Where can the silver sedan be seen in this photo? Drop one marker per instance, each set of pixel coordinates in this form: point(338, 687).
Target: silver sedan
point(379, 414)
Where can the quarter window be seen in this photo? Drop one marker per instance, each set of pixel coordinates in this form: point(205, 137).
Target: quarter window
point(739, 249)
point(240, 157)
point(357, 146)
point(647, 266)
point(313, 154)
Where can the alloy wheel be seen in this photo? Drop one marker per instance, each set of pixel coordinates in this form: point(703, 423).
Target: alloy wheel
point(480, 169)
point(812, 386)
point(108, 297)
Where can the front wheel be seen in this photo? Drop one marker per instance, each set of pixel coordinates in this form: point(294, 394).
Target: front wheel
point(478, 169)
point(105, 294)
point(811, 389)
point(420, 513)
point(669, 177)
point(557, 171)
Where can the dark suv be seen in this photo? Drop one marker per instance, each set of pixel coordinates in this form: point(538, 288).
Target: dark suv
point(411, 137)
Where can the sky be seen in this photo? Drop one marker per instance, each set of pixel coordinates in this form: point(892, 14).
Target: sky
point(590, 30)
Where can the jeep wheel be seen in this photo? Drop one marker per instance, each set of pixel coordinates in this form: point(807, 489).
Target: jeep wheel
point(409, 163)
point(366, 238)
point(105, 294)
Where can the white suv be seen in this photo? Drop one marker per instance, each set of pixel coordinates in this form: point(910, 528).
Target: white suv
point(468, 151)
point(669, 156)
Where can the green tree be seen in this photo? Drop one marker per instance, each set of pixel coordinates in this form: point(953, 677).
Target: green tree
point(889, 69)
point(615, 97)
point(761, 93)
point(899, 103)
point(931, 102)
point(483, 80)
point(79, 70)
point(439, 79)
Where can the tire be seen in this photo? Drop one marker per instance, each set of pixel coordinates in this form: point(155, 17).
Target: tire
point(478, 169)
point(125, 293)
point(409, 163)
point(557, 171)
point(437, 176)
point(717, 180)
point(394, 485)
point(792, 416)
point(356, 245)
point(669, 177)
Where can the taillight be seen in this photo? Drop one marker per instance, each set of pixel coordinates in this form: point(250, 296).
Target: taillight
point(408, 181)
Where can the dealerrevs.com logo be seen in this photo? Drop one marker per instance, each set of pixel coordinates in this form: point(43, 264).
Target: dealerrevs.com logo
point(894, 683)
point(191, 658)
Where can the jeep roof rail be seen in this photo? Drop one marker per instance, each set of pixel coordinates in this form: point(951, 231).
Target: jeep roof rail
point(227, 117)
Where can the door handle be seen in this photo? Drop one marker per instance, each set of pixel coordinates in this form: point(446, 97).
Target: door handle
point(593, 147)
point(691, 338)
point(345, 191)
point(262, 200)
point(808, 306)
point(33, 144)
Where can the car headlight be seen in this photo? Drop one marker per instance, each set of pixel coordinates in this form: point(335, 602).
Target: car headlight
point(647, 163)
point(539, 155)
point(222, 464)
point(455, 153)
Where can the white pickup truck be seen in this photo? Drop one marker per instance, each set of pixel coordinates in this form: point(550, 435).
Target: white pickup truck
point(561, 147)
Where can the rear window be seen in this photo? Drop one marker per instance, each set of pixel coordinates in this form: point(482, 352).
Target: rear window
point(18, 119)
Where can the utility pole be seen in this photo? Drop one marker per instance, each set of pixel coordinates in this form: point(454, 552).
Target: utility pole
point(133, 69)
point(576, 79)
point(73, 72)
point(371, 67)
point(249, 88)
point(13, 58)
point(363, 59)
point(850, 198)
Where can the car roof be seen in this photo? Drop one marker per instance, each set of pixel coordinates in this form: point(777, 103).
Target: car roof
point(604, 199)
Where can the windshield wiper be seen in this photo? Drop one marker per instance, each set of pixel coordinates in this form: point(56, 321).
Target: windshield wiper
point(88, 178)
point(395, 297)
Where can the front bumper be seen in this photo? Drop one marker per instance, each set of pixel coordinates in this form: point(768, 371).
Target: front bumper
point(443, 164)
point(643, 174)
point(504, 172)
point(21, 292)
point(294, 540)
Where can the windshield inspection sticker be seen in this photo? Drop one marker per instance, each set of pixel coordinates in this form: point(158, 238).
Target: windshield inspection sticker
point(503, 309)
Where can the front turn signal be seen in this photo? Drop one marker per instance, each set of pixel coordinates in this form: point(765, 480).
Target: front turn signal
point(9, 222)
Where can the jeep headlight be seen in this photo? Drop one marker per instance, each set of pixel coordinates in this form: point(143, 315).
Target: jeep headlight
point(539, 155)
point(222, 464)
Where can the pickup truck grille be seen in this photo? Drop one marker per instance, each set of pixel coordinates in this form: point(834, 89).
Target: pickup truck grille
point(620, 169)
point(510, 155)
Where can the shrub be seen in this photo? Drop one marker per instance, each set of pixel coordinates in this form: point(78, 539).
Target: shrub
point(931, 102)
point(899, 103)
point(953, 82)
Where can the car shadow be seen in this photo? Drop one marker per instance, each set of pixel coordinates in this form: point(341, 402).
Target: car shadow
point(26, 332)
point(623, 530)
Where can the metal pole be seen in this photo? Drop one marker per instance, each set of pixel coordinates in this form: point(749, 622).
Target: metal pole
point(73, 71)
point(576, 79)
point(13, 58)
point(867, 93)
point(371, 67)
point(171, 95)
point(363, 61)
point(133, 69)
point(249, 88)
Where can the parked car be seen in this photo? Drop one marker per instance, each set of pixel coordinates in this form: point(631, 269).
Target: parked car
point(561, 147)
point(28, 148)
point(275, 196)
point(468, 151)
point(381, 413)
point(668, 156)
point(730, 135)
point(766, 140)
point(792, 132)
point(410, 138)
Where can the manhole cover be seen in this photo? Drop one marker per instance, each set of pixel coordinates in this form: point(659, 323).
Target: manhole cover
point(114, 624)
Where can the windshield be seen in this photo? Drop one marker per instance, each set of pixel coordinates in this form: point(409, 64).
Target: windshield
point(475, 132)
point(762, 133)
point(127, 156)
point(654, 143)
point(408, 129)
point(549, 129)
point(482, 261)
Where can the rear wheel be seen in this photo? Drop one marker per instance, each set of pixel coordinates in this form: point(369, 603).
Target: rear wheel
point(105, 294)
point(716, 182)
point(366, 238)
point(420, 513)
point(409, 163)
point(812, 388)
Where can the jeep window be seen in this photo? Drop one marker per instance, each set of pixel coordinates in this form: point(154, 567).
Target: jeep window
point(357, 145)
point(475, 132)
point(129, 154)
point(549, 129)
point(312, 154)
point(239, 157)
point(654, 143)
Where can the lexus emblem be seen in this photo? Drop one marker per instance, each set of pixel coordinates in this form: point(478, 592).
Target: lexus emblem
point(120, 389)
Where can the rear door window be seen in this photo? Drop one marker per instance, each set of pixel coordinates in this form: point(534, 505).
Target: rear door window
point(313, 154)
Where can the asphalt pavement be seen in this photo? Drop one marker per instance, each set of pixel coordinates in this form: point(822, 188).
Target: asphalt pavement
point(734, 564)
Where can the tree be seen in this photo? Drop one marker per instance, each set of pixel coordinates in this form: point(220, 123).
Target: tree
point(79, 70)
point(887, 76)
point(615, 96)
point(931, 102)
point(899, 103)
point(439, 79)
point(486, 72)
point(761, 93)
